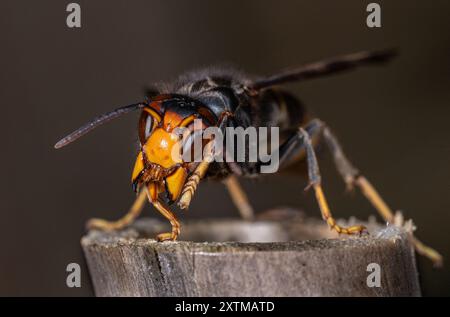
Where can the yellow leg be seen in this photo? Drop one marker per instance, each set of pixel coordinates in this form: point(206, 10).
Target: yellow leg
point(326, 214)
point(375, 199)
point(191, 184)
point(352, 177)
point(428, 252)
point(383, 209)
point(132, 214)
point(239, 198)
point(315, 182)
point(173, 235)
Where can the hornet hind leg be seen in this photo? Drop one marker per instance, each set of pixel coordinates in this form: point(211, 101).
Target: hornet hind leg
point(315, 182)
point(351, 176)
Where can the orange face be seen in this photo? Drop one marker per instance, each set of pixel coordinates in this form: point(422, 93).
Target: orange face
point(163, 148)
point(159, 164)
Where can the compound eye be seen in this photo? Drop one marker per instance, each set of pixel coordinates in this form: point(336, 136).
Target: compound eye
point(148, 126)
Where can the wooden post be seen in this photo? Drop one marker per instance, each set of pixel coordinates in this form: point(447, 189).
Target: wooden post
point(264, 263)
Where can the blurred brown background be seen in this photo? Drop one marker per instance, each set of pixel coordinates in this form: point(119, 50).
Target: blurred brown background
point(393, 121)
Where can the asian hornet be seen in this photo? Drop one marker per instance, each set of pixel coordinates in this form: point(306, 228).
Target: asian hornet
point(228, 98)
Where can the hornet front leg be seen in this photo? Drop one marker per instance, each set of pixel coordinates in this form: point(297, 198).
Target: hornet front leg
point(126, 220)
point(152, 193)
point(191, 184)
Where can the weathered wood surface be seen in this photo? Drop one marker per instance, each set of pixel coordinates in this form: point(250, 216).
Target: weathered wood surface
point(264, 263)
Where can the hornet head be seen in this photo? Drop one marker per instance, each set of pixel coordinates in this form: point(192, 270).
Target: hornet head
point(168, 131)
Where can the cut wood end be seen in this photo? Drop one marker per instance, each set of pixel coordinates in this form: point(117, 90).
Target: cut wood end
point(233, 232)
point(281, 254)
